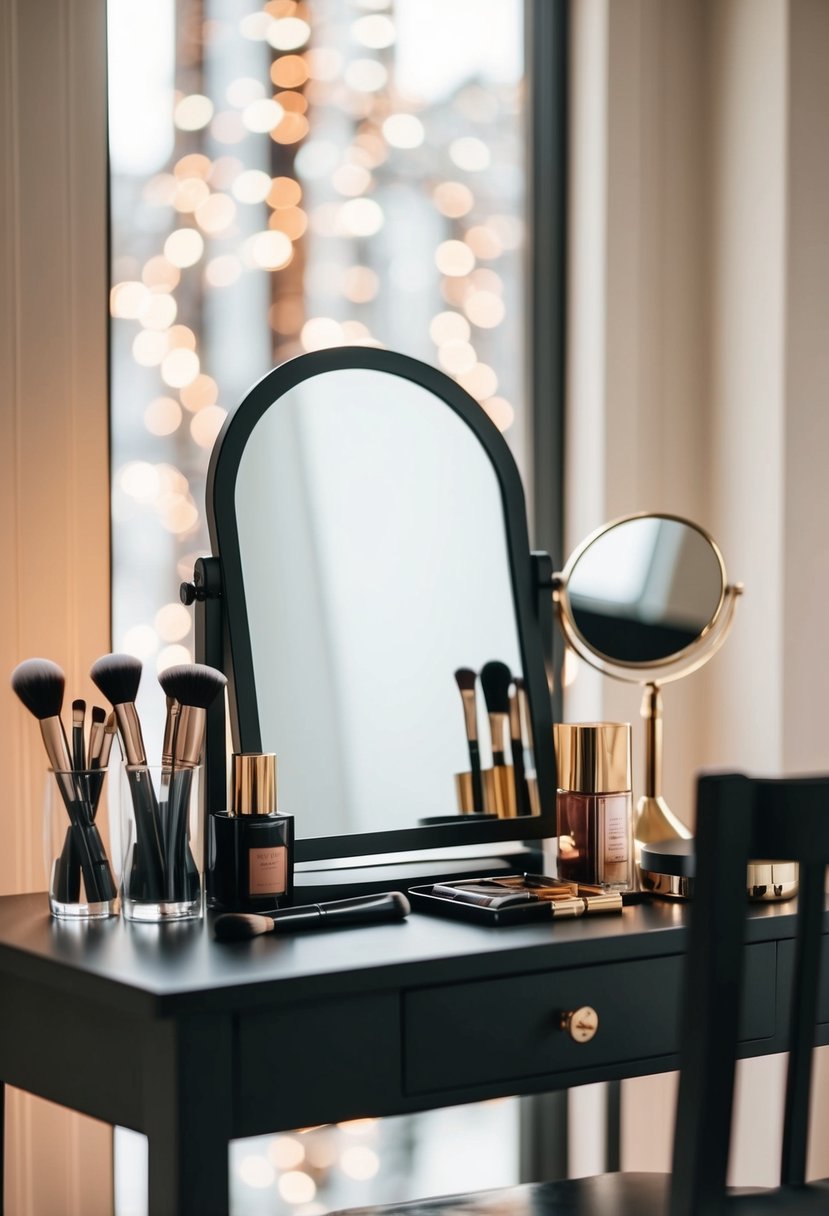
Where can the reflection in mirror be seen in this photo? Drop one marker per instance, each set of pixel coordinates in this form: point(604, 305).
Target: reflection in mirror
point(645, 589)
point(374, 560)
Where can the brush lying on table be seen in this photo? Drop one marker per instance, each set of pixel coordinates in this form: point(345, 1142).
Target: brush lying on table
point(359, 910)
point(40, 684)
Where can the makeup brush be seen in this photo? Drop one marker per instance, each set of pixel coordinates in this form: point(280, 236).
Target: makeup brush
point(40, 683)
point(495, 681)
point(360, 910)
point(96, 737)
point(190, 688)
point(466, 680)
point(526, 726)
point(78, 744)
point(118, 677)
point(110, 729)
point(522, 794)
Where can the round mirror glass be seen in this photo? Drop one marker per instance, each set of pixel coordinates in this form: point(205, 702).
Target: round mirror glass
point(645, 589)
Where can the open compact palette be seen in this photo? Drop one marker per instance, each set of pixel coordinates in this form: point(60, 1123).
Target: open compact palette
point(513, 899)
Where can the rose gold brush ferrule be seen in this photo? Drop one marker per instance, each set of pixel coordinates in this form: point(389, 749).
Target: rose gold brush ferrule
point(189, 738)
point(109, 728)
point(526, 729)
point(129, 728)
point(96, 742)
point(515, 718)
point(470, 716)
point(173, 711)
point(57, 748)
point(497, 723)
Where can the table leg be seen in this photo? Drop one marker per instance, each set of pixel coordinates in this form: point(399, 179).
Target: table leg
point(613, 1126)
point(188, 1095)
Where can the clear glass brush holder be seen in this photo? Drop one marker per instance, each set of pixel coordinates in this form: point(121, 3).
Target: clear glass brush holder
point(81, 882)
point(161, 843)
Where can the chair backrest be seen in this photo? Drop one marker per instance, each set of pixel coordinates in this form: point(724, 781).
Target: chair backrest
point(738, 819)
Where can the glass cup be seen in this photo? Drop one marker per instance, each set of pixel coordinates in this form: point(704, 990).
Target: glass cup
point(160, 843)
point(78, 871)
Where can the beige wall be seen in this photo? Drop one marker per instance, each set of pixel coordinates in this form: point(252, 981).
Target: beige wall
point(699, 309)
point(54, 502)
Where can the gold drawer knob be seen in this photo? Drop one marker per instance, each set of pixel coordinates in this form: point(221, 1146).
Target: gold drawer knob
point(581, 1024)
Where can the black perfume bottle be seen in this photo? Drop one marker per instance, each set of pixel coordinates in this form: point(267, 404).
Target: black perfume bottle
point(250, 855)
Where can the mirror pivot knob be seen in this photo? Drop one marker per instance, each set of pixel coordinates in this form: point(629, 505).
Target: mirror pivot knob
point(581, 1024)
point(188, 593)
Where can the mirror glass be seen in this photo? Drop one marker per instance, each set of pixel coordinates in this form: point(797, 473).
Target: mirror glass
point(645, 589)
point(374, 561)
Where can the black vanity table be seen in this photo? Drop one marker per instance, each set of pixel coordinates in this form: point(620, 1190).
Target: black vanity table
point(193, 1043)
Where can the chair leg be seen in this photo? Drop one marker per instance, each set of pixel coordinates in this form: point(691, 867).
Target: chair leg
point(2, 1145)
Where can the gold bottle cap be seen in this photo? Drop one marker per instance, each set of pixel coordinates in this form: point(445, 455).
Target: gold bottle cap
point(593, 757)
point(253, 781)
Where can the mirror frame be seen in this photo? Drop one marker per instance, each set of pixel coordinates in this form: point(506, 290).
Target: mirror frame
point(681, 662)
point(236, 646)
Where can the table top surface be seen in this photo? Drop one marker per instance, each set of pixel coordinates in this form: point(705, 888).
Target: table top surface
point(159, 969)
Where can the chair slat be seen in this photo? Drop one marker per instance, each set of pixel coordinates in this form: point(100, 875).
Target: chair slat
point(711, 995)
point(804, 1002)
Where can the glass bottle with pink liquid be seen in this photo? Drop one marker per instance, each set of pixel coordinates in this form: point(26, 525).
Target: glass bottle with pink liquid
point(595, 803)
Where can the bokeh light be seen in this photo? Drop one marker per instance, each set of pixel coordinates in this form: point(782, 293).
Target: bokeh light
point(184, 247)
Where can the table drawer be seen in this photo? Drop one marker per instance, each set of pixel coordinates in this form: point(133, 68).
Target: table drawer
point(506, 1030)
point(317, 1062)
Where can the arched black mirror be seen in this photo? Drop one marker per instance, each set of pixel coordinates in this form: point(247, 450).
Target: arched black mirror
point(370, 526)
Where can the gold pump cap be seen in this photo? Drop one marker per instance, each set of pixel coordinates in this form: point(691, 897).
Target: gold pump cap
point(253, 781)
point(593, 757)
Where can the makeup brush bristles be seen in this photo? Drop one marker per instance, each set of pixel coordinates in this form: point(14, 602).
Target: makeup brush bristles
point(496, 678)
point(465, 678)
point(192, 684)
point(241, 926)
point(117, 676)
point(39, 683)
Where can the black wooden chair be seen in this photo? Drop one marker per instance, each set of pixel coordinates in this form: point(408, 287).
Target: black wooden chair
point(738, 818)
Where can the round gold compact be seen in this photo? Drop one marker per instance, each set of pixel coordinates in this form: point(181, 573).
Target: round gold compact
point(667, 868)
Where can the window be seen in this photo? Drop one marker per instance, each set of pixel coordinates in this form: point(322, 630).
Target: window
point(284, 177)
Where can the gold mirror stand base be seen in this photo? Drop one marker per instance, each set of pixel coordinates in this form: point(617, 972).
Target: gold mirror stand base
point(656, 821)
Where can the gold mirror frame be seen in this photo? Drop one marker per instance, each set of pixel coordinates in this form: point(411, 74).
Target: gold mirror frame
point(654, 819)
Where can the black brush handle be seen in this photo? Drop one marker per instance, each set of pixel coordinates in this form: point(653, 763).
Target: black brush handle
point(522, 794)
point(477, 779)
point(78, 756)
point(94, 864)
point(147, 876)
point(182, 876)
point(360, 910)
point(68, 872)
point(67, 884)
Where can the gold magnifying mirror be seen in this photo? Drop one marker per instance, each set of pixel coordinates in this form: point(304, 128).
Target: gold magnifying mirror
point(646, 599)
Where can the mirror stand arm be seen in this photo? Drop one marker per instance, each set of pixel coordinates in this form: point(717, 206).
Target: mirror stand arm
point(205, 592)
point(654, 818)
point(651, 711)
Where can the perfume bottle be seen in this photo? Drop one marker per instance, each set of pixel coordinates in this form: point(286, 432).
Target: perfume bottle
point(251, 846)
point(594, 806)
